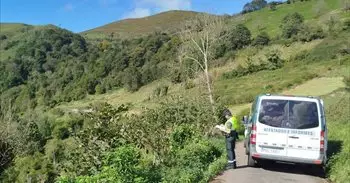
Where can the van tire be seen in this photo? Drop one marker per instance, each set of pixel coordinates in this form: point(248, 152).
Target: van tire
point(251, 162)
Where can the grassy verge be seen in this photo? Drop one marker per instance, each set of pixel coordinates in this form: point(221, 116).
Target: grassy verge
point(337, 110)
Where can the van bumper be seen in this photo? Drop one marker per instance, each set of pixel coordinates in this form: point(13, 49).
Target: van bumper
point(257, 156)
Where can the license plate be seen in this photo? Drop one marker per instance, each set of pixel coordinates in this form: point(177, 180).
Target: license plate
point(268, 150)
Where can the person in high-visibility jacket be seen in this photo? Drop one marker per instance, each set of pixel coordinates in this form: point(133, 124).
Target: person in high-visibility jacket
point(231, 135)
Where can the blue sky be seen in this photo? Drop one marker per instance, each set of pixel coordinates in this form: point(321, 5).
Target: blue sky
point(80, 15)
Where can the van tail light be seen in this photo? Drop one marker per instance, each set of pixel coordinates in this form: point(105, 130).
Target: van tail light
point(322, 141)
point(253, 135)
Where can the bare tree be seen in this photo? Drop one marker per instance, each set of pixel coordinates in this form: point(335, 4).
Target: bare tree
point(199, 38)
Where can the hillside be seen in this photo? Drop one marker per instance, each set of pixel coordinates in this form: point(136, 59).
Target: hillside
point(12, 28)
point(164, 22)
point(67, 99)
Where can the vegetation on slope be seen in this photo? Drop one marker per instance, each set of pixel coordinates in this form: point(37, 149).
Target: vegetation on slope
point(163, 22)
point(338, 107)
point(50, 66)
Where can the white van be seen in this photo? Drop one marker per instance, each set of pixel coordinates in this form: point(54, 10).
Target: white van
point(287, 129)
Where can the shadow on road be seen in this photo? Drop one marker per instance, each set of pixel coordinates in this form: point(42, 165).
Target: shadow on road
point(294, 169)
point(334, 147)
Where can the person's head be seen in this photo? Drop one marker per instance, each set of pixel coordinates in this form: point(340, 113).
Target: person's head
point(227, 113)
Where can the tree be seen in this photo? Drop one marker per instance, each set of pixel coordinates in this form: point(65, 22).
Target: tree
point(254, 6)
point(237, 37)
point(132, 79)
point(261, 40)
point(291, 24)
point(199, 37)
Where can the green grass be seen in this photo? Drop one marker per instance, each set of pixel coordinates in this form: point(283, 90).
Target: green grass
point(132, 27)
point(337, 111)
point(270, 21)
point(11, 28)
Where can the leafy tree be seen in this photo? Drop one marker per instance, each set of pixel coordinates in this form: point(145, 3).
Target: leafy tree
point(254, 6)
point(238, 37)
point(291, 24)
point(132, 79)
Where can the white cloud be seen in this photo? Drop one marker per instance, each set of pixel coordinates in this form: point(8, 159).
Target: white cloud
point(138, 13)
point(165, 5)
point(145, 8)
point(68, 7)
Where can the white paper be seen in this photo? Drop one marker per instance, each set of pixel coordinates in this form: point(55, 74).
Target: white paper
point(221, 127)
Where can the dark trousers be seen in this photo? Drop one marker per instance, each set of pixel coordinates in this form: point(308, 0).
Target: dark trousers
point(230, 147)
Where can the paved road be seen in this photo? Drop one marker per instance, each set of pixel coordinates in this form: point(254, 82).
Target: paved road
point(269, 173)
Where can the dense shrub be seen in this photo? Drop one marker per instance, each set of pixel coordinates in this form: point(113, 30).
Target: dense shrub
point(262, 39)
point(238, 37)
point(189, 84)
point(273, 62)
point(346, 25)
point(291, 24)
point(125, 164)
point(191, 162)
point(3, 37)
point(309, 33)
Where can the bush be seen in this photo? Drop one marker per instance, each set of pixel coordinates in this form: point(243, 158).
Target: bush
point(3, 37)
point(189, 84)
point(238, 37)
point(176, 76)
point(125, 164)
point(100, 89)
point(181, 135)
point(262, 39)
point(346, 24)
point(160, 91)
point(308, 33)
point(191, 162)
point(291, 24)
point(273, 62)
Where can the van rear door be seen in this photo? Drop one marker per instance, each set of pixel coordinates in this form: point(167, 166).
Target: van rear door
point(304, 122)
point(271, 137)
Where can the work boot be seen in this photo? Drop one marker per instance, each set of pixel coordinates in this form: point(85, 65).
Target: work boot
point(230, 166)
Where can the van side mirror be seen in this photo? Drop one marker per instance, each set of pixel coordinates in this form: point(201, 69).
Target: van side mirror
point(245, 119)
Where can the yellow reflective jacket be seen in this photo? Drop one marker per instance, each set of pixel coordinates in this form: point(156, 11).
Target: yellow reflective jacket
point(231, 124)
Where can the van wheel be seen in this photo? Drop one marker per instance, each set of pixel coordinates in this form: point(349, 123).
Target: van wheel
point(251, 161)
point(322, 171)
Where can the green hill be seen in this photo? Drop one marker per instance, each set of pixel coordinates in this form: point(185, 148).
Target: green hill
point(54, 84)
point(12, 28)
point(163, 22)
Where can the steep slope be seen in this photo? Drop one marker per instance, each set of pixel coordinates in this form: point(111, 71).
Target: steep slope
point(130, 27)
point(313, 11)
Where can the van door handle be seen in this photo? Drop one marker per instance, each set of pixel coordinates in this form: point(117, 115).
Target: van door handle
point(293, 137)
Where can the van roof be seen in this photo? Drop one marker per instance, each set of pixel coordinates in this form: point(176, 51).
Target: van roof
point(285, 95)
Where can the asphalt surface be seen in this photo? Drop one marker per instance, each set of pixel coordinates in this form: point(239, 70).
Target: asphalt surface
point(268, 172)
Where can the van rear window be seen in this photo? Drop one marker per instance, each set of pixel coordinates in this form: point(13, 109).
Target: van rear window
point(289, 114)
